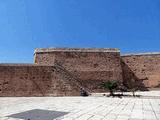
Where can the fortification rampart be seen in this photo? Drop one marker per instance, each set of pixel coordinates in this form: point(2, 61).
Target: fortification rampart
point(33, 80)
point(142, 67)
point(91, 66)
point(62, 72)
point(59, 72)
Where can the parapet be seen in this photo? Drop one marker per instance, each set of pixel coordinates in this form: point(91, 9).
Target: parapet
point(46, 50)
point(141, 54)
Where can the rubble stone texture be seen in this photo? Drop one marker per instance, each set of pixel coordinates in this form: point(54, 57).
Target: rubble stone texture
point(63, 71)
point(144, 68)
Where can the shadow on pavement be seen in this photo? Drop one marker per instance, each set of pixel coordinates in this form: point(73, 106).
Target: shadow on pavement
point(38, 114)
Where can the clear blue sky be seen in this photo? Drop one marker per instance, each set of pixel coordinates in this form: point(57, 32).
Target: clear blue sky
point(131, 25)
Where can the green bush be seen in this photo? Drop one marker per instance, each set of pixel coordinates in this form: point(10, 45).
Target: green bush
point(110, 85)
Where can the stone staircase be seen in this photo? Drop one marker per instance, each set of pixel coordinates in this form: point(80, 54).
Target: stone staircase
point(69, 79)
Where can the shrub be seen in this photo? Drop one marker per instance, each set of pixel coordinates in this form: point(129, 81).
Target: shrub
point(111, 86)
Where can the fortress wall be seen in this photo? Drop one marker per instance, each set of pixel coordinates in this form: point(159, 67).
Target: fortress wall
point(42, 80)
point(88, 65)
point(61, 72)
point(144, 68)
point(32, 80)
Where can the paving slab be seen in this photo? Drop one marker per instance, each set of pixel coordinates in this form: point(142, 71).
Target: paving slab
point(79, 108)
point(141, 94)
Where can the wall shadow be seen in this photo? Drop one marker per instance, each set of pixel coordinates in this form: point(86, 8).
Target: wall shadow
point(130, 80)
point(37, 114)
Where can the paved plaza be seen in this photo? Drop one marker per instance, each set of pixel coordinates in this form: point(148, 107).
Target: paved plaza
point(79, 108)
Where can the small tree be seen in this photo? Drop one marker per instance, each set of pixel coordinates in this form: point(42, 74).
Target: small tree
point(111, 86)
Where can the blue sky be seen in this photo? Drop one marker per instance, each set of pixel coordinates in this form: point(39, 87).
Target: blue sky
point(131, 25)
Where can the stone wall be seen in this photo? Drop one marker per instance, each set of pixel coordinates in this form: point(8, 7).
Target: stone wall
point(87, 65)
point(33, 80)
point(62, 72)
point(142, 68)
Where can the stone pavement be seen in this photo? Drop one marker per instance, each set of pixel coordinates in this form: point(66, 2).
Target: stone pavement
point(79, 108)
point(142, 94)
